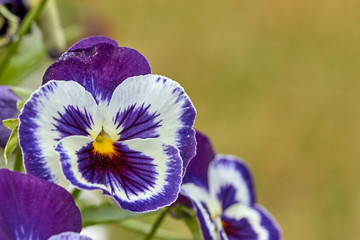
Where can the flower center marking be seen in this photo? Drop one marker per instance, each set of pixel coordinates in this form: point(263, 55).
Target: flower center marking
point(103, 144)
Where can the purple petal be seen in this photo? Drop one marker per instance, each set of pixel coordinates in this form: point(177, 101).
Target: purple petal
point(7, 110)
point(90, 42)
point(249, 223)
point(58, 109)
point(31, 208)
point(141, 175)
point(69, 236)
point(153, 106)
point(197, 170)
point(99, 65)
point(230, 181)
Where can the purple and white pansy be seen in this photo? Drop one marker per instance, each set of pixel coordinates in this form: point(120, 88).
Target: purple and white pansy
point(101, 120)
point(222, 192)
point(31, 208)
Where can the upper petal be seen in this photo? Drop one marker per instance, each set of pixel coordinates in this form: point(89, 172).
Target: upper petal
point(140, 175)
point(230, 181)
point(99, 65)
point(57, 110)
point(90, 42)
point(31, 208)
point(197, 170)
point(153, 106)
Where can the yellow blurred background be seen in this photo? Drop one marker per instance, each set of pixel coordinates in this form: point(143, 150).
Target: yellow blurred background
point(275, 82)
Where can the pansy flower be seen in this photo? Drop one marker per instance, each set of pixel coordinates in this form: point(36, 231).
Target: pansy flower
point(222, 192)
point(31, 208)
point(101, 120)
point(8, 110)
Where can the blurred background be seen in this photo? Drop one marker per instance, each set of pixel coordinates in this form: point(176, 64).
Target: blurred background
point(275, 82)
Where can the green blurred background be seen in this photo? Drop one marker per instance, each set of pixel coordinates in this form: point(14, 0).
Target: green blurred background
point(274, 82)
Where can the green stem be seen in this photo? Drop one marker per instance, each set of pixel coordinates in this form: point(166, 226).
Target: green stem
point(18, 163)
point(142, 228)
point(24, 28)
point(76, 193)
point(156, 225)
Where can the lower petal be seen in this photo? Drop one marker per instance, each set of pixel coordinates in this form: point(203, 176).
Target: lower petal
point(140, 175)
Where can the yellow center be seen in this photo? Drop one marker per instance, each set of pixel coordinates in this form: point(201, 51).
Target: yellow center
point(103, 144)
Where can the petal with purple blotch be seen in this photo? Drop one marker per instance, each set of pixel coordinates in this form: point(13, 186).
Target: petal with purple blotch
point(99, 65)
point(153, 106)
point(230, 181)
point(31, 208)
point(140, 174)
point(249, 223)
point(57, 110)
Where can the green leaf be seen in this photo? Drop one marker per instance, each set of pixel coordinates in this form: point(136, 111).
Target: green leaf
point(20, 104)
point(11, 145)
point(18, 163)
point(11, 123)
point(190, 219)
point(107, 213)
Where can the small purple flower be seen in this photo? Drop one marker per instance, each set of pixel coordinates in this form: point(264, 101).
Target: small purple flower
point(31, 208)
point(103, 121)
point(7, 110)
point(222, 192)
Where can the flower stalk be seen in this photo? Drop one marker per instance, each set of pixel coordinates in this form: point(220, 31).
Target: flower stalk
point(156, 224)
